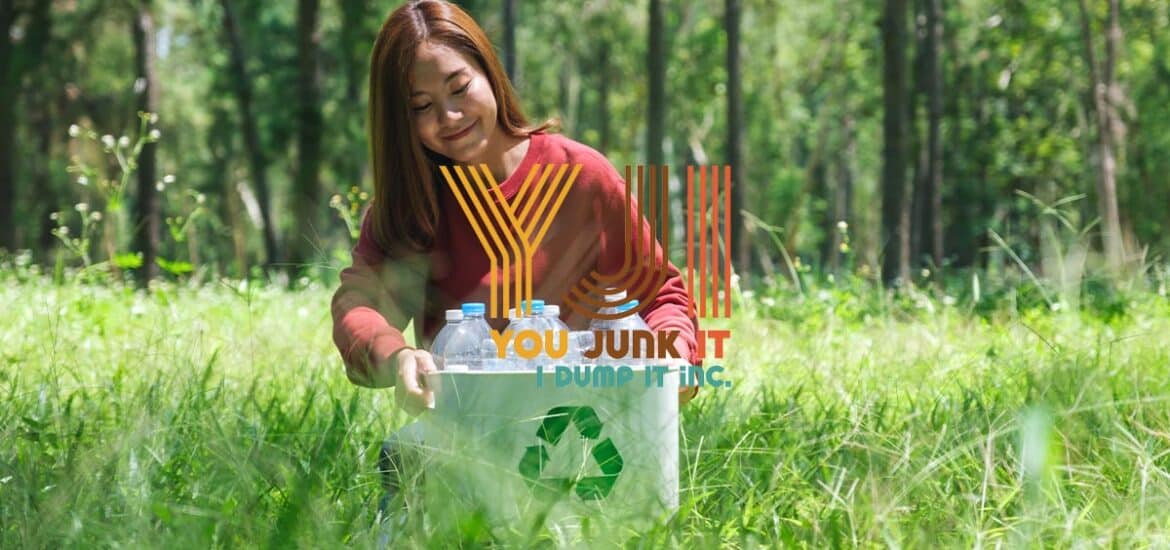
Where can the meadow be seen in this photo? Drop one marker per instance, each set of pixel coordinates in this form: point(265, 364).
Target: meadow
point(219, 416)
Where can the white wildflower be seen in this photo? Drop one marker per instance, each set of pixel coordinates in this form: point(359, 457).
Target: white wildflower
point(199, 199)
point(160, 186)
point(82, 180)
point(169, 179)
point(842, 225)
point(925, 273)
point(154, 118)
point(123, 141)
point(55, 216)
point(335, 200)
point(155, 134)
point(63, 230)
point(74, 130)
point(108, 141)
point(95, 216)
point(81, 207)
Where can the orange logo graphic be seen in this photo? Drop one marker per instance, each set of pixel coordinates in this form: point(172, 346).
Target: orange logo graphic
point(507, 241)
point(482, 202)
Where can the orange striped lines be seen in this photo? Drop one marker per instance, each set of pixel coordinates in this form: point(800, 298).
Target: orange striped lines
point(704, 278)
point(640, 274)
point(485, 207)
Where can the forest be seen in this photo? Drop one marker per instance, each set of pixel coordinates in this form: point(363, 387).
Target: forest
point(945, 326)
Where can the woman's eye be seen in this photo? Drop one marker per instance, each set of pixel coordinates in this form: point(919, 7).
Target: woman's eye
point(463, 90)
point(421, 108)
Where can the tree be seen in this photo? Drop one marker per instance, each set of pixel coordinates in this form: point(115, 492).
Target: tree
point(895, 212)
point(147, 205)
point(9, 84)
point(735, 137)
point(656, 72)
point(934, 100)
point(1103, 99)
point(307, 185)
point(257, 162)
point(16, 61)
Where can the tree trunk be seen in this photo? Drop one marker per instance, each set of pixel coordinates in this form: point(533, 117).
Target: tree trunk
point(934, 99)
point(742, 252)
point(895, 214)
point(656, 61)
point(352, 167)
point(510, 38)
point(656, 113)
point(307, 186)
point(147, 204)
point(1103, 84)
point(256, 160)
point(9, 86)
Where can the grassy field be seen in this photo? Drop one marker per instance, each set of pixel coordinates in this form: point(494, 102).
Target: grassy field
point(220, 417)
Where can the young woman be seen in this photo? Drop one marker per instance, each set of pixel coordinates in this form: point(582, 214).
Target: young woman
point(439, 96)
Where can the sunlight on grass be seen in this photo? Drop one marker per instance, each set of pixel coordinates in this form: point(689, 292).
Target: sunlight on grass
point(221, 416)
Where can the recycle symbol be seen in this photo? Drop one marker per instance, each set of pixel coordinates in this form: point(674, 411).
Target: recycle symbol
point(536, 457)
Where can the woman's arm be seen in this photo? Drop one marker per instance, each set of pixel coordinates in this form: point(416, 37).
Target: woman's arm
point(377, 298)
point(669, 306)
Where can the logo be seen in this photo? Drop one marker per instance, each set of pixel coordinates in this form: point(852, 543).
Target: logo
point(510, 233)
point(536, 459)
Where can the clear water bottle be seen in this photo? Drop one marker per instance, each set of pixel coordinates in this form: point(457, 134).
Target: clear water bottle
point(462, 350)
point(454, 320)
point(518, 322)
point(474, 313)
point(623, 329)
point(614, 296)
point(556, 327)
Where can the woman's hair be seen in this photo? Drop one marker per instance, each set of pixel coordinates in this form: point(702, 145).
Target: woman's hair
point(405, 211)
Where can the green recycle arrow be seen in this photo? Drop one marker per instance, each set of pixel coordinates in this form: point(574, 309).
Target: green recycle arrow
point(536, 458)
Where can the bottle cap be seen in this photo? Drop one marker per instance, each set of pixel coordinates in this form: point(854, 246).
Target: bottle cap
point(474, 308)
point(552, 311)
point(454, 315)
point(622, 308)
point(537, 307)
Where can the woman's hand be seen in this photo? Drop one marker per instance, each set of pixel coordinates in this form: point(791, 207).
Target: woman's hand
point(411, 367)
point(685, 393)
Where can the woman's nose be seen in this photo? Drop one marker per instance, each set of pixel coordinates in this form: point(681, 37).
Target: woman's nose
point(451, 111)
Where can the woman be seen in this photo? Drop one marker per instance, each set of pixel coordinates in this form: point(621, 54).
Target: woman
point(439, 97)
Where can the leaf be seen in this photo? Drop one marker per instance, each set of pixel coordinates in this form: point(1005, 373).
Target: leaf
point(176, 267)
point(128, 260)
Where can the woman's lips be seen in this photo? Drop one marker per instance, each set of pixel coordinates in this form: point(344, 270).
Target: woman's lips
point(462, 133)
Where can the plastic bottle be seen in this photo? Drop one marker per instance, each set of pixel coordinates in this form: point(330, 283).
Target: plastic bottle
point(462, 350)
point(553, 323)
point(519, 322)
point(454, 320)
point(629, 325)
point(474, 313)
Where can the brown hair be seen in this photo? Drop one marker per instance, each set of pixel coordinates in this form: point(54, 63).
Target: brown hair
point(405, 210)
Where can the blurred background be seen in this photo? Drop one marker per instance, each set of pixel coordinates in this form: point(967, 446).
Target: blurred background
point(896, 140)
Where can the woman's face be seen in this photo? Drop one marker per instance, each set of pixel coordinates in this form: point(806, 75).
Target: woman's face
point(452, 103)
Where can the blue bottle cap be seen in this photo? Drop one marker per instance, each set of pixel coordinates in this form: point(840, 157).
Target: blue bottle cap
point(537, 307)
point(627, 306)
point(474, 308)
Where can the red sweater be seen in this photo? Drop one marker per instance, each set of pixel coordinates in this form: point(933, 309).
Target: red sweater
point(379, 295)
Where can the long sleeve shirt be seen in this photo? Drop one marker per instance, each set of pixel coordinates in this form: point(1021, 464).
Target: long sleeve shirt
point(379, 294)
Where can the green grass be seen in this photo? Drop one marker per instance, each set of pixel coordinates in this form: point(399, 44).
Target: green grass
point(221, 417)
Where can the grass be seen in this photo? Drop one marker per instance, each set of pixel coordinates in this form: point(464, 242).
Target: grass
point(220, 417)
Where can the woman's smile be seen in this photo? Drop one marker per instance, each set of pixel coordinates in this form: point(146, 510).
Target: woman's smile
point(462, 133)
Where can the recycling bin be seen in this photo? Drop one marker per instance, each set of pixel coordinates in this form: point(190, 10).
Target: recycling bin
point(593, 462)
